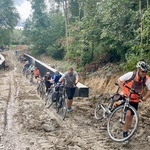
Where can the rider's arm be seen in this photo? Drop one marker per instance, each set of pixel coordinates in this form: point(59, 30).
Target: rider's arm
point(77, 79)
point(147, 95)
point(123, 79)
point(62, 78)
point(120, 83)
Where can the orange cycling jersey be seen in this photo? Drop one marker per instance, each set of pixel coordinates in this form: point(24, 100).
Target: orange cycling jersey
point(137, 85)
point(36, 73)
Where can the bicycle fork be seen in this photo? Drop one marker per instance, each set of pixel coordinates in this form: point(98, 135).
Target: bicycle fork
point(106, 111)
point(123, 116)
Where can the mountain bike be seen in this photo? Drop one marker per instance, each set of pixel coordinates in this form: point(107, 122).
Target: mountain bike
point(41, 87)
point(61, 103)
point(116, 116)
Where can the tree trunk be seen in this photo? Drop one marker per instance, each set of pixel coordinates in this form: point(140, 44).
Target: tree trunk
point(148, 30)
point(140, 11)
point(65, 9)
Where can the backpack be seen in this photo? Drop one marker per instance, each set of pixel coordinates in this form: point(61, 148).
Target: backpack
point(132, 78)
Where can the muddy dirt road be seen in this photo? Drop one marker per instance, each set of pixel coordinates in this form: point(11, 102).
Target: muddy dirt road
point(25, 123)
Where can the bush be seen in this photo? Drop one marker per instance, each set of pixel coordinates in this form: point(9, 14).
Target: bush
point(55, 52)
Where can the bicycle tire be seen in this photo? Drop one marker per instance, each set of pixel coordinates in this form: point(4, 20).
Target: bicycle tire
point(105, 100)
point(121, 107)
point(43, 93)
point(31, 79)
point(59, 103)
point(98, 112)
point(26, 74)
point(49, 103)
point(63, 110)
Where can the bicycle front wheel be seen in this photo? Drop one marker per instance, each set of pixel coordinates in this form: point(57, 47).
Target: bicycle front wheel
point(105, 101)
point(48, 103)
point(98, 112)
point(117, 120)
point(31, 80)
point(49, 100)
point(63, 110)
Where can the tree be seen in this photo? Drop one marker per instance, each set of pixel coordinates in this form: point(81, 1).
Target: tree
point(8, 20)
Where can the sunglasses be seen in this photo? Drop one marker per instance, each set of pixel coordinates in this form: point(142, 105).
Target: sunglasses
point(144, 71)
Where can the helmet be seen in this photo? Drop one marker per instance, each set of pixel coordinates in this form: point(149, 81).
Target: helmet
point(48, 73)
point(56, 72)
point(142, 65)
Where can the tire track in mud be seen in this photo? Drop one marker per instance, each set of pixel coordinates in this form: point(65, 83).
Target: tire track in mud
point(7, 102)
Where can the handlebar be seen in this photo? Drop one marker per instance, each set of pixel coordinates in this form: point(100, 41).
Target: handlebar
point(60, 84)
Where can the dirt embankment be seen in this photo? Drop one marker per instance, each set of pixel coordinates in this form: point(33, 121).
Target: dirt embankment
point(26, 124)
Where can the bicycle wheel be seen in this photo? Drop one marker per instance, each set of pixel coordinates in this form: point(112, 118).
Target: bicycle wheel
point(63, 110)
point(105, 101)
point(26, 74)
point(58, 104)
point(116, 121)
point(98, 112)
point(49, 100)
point(49, 103)
point(31, 79)
point(42, 92)
point(38, 88)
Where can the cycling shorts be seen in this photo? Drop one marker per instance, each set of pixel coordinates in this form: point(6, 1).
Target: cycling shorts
point(70, 92)
point(36, 77)
point(135, 105)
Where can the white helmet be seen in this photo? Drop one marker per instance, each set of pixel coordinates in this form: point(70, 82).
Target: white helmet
point(142, 65)
point(48, 73)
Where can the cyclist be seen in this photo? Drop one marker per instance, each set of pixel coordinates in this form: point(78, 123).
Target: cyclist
point(136, 80)
point(36, 73)
point(56, 77)
point(26, 66)
point(72, 79)
point(48, 81)
point(31, 69)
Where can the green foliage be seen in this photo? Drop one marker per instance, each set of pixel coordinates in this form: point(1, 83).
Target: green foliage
point(43, 29)
point(17, 37)
point(91, 30)
point(56, 52)
point(8, 20)
point(9, 16)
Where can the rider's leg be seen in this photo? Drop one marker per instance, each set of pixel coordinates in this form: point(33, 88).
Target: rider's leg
point(128, 119)
point(70, 93)
point(47, 85)
point(128, 122)
point(69, 103)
